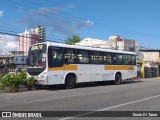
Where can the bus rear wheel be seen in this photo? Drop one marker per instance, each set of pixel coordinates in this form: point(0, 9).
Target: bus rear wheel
point(118, 79)
point(69, 82)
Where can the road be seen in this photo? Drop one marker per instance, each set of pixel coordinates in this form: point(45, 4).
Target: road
point(142, 95)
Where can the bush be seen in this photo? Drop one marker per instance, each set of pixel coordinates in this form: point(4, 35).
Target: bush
point(23, 78)
point(11, 82)
point(31, 83)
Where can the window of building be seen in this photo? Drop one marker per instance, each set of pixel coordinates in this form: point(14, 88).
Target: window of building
point(16, 59)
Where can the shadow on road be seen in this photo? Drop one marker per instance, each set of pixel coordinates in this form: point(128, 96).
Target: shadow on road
point(90, 84)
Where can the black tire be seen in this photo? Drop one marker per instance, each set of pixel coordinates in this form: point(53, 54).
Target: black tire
point(118, 79)
point(69, 82)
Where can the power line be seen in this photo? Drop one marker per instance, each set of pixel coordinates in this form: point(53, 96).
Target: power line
point(102, 25)
point(102, 28)
point(95, 27)
point(30, 37)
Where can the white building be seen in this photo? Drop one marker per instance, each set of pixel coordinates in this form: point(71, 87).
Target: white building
point(25, 40)
point(40, 32)
point(114, 42)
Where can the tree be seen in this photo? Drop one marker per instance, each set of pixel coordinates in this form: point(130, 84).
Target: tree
point(74, 39)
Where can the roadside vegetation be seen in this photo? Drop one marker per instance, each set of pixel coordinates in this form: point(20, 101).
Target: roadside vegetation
point(74, 39)
point(12, 82)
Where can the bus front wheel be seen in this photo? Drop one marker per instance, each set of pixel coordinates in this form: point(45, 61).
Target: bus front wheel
point(118, 79)
point(69, 82)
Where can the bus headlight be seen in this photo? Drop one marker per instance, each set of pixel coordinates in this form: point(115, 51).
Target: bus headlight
point(43, 75)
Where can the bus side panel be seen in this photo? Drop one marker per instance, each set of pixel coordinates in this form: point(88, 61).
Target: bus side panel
point(55, 77)
point(130, 73)
point(97, 73)
point(108, 75)
point(84, 73)
point(127, 71)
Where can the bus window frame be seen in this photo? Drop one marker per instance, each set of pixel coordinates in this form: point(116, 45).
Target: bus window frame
point(134, 60)
point(75, 59)
point(89, 56)
point(129, 62)
point(50, 55)
point(92, 61)
point(112, 58)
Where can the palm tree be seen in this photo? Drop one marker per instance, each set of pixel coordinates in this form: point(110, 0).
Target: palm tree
point(74, 39)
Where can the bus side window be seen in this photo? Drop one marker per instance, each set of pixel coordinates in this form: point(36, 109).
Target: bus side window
point(96, 57)
point(133, 60)
point(107, 58)
point(127, 59)
point(118, 59)
point(55, 57)
point(70, 56)
point(83, 56)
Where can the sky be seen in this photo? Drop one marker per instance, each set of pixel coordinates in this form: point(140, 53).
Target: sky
point(132, 19)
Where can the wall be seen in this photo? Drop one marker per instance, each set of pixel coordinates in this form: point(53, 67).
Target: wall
point(19, 59)
point(151, 69)
point(151, 56)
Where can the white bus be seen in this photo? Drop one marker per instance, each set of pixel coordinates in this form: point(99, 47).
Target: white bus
point(53, 63)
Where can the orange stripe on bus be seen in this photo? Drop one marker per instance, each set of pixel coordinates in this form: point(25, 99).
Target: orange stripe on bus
point(118, 67)
point(65, 67)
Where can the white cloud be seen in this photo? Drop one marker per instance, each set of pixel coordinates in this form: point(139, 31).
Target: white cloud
point(1, 13)
point(11, 45)
point(7, 43)
point(54, 20)
point(89, 22)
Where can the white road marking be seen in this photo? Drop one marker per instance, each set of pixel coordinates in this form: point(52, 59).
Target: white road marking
point(108, 108)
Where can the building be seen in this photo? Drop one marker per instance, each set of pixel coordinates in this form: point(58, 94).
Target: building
point(114, 42)
point(151, 62)
point(25, 40)
point(14, 60)
point(40, 32)
point(30, 37)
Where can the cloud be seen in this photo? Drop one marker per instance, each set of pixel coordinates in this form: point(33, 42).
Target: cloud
point(55, 21)
point(1, 13)
point(11, 45)
point(8, 43)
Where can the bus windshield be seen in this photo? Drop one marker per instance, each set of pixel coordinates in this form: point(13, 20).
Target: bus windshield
point(36, 61)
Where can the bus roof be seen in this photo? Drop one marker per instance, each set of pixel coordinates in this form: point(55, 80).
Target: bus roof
point(85, 48)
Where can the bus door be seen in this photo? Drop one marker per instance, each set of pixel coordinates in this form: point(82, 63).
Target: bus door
point(84, 66)
point(55, 64)
point(97, 66)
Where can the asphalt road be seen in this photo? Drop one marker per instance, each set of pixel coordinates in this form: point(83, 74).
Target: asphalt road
point(140, 95)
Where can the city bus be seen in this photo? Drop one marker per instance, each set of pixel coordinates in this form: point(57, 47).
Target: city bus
point(53, 63)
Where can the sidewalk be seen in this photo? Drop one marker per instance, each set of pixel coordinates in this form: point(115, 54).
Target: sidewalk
point(155, 78)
